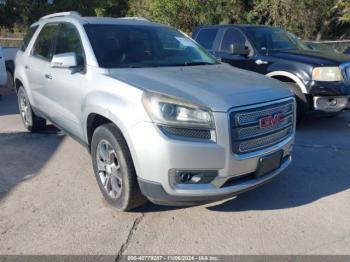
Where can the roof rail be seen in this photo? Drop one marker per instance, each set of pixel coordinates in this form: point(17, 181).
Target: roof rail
point(71, 13)
point(135, 18)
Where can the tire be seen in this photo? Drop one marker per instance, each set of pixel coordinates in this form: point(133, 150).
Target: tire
point(114, 168)
point(30, 121)
point(302, 101)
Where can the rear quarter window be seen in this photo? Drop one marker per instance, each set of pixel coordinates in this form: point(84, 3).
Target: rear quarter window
point(206, 37)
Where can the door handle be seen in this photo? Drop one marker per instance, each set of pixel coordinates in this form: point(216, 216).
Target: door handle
point(47, 76)
point(261, 62)
point(26, 67)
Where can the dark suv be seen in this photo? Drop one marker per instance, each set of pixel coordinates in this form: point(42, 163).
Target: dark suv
point(320, 80)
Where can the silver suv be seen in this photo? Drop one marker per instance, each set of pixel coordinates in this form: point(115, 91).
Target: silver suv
point(162, 118)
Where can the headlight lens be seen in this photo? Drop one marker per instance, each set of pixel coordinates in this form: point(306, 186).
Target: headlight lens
point(176, 112)
point(327, 74)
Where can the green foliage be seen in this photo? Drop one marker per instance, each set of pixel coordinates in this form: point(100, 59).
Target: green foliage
point(301, 17)
point(187, 14)
point(20, 14)
point(310, 19)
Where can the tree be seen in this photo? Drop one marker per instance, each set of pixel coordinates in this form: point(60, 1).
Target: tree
point(310, 19)
point(22, 13)
point(187, 14)
point(111, 8)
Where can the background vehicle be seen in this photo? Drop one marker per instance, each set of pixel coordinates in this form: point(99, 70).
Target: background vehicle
point(160, 116)
point(8, 67)
point(320, 80)
point(3, 76)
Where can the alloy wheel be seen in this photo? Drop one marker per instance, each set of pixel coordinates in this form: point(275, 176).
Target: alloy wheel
point(109, 169)
point(25, 109)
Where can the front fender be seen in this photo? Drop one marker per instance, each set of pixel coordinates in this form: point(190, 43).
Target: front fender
point(292, 75)
point(122, 112)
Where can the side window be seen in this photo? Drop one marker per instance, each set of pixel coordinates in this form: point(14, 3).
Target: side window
point(43, 45)
point(232, 36)
point(68, 41)
point(28, 37)
point(206, 37)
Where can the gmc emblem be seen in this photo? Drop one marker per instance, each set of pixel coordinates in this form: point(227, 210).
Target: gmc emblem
point(270, 121)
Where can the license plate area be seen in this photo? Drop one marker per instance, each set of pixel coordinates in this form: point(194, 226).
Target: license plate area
point(269, 163)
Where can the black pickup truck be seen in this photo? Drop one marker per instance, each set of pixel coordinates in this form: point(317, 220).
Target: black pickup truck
point(320, 80)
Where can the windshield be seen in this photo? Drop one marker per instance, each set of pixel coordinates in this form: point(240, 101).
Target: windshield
point(118, 46)
point(275, 39)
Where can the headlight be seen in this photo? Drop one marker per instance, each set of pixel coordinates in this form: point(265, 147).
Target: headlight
point(327, 74)
point(168, 110)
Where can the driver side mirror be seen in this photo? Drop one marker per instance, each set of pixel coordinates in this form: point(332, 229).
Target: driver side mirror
point(65, 60)
point(238, 49)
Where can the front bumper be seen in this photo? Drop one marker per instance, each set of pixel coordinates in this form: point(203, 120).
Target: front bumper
point(330, 97)
point(155, 192)
point(318, 88)
point(155, 155)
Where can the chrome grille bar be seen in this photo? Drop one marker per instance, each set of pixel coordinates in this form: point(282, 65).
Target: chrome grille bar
point(246, 133)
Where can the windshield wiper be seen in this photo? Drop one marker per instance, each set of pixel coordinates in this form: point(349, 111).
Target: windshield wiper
point(193, 63)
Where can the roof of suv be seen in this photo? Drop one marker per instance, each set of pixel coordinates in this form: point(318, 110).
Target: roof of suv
point(98, 20)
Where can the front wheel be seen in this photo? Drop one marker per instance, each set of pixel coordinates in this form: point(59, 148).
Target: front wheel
point(31, 122)
point(114, 169)
point(302, 101)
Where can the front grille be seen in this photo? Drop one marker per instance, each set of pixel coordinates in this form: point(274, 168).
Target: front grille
point(346, 72)
point(246, 133)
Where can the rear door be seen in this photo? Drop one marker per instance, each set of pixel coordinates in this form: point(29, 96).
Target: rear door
point(38, 63)
point(3, 78)
point(63, 85)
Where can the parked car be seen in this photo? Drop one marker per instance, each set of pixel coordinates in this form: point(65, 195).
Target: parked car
point(319, 80)
point(161, 117)
point(3, 76)
point(7, 66)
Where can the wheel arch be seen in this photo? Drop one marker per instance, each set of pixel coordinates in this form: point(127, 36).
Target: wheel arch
point(283, 75)
point(18, 83)
point(94, 120)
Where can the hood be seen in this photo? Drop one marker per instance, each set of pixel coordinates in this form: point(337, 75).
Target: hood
point(315, 58)
point(219, 87)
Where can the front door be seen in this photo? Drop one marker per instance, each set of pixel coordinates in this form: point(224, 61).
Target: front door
point(63, 85)
point(252, 61)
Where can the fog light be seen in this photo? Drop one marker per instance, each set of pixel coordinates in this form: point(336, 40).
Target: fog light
point(185, 177)
point(330, 104)
point(194, 176)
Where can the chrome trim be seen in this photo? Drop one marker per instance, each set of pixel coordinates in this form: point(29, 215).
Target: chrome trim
point(343, 67)
point(268, 149)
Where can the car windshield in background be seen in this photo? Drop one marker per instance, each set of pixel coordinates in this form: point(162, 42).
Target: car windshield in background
point(118, 46)
point(274, 39)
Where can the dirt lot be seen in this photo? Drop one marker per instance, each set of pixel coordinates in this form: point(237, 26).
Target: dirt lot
point(50, 202)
